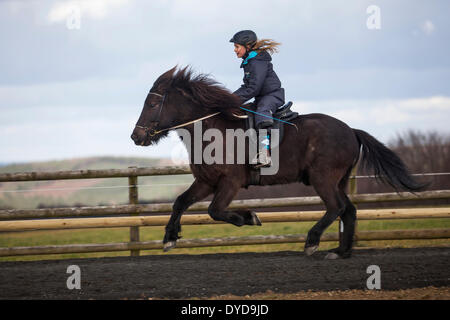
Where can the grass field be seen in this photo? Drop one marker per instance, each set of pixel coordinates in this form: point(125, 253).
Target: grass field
point(82, 236)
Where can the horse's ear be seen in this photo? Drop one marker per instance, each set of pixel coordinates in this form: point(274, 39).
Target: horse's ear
point(169, 74)
point(165, 80)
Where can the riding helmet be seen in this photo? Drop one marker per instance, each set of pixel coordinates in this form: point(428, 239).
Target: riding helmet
point(244, 37)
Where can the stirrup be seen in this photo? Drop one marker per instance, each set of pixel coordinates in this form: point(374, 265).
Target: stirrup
point(261, 164)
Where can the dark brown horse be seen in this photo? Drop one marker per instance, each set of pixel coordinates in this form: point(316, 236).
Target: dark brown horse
point(320, 152)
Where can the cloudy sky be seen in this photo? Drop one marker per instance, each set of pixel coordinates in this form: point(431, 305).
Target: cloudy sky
point(74, 74)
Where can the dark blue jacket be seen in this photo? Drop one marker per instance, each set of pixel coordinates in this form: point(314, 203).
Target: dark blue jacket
point(259, 79)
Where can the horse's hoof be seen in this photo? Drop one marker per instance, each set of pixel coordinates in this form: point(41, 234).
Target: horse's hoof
point(310, 250)
point(255, 219)
point(332, 256)
point(169, 245)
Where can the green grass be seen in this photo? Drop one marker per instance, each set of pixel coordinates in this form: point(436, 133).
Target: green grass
point(82, 236)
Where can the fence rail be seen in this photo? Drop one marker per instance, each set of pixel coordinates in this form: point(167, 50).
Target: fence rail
point(94, 174)
point(229, 241)
point(197, 219)
point(203, 206)
point(50, 219)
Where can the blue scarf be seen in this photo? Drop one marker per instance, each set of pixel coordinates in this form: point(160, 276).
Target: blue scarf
point(252, 54)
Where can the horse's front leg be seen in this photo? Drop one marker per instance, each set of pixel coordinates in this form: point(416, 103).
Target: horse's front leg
point(223, 195)
point(196, 192)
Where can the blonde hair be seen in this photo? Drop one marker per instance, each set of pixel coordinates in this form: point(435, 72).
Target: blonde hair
point(266, 45)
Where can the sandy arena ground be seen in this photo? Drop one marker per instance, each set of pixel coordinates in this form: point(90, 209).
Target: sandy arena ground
point(413, 273)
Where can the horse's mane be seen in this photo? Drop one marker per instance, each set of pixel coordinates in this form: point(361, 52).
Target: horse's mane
point(206, 92)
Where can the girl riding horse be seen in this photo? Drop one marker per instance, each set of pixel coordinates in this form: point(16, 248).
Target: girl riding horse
point(260, 82)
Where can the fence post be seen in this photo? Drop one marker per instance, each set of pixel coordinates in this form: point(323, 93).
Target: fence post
point(133, 199)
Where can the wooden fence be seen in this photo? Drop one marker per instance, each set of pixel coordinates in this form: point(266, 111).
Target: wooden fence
point(139, 215)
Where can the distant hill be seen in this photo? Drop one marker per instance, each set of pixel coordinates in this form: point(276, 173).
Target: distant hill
point(85, 164)
point(25, 195)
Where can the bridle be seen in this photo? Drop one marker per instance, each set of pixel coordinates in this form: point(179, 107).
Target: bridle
point(147, 130)
point(153, 132)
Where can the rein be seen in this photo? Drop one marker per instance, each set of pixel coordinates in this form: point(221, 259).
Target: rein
point(153, 132)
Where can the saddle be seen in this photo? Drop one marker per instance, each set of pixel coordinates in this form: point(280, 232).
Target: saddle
point(281, 117)
point(283, 113)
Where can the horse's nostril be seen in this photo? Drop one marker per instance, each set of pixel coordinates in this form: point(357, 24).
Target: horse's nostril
point(133, 137)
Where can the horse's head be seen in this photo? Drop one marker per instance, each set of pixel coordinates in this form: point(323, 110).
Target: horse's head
point(158, 112)
point(179, 99)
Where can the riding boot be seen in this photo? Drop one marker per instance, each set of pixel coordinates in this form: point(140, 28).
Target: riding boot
point(263, 156)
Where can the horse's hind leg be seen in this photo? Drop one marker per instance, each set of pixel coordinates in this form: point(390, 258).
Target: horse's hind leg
point(346, 244)
point(329, 192)
point(196, 192)
point(348, 218)
point(224, 194)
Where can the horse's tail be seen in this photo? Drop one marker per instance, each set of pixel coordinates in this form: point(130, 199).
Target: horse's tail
point(387, 166)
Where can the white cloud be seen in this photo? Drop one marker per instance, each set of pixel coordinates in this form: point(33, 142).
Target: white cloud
point(437, 103)
point(74, 131)
point(95, 9)
point(385, 117)
point(350, 115)
point(60, 131)
point(389, 114)
point(427, 27)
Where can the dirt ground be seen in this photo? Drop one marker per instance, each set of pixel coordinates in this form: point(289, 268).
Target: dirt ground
point(413, 273)
point(427, 293)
